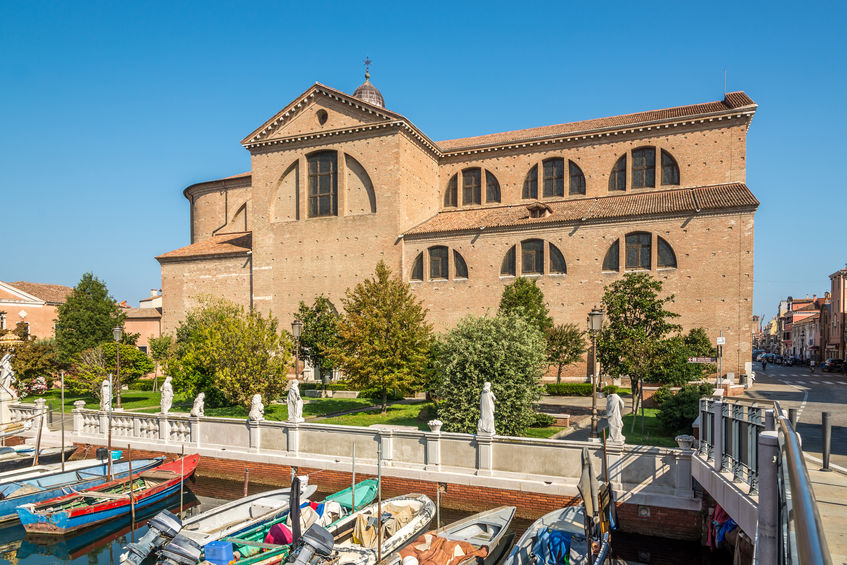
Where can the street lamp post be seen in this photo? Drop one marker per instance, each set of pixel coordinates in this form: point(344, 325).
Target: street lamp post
point(296, 331)
point(595, 324)
point(117, 332)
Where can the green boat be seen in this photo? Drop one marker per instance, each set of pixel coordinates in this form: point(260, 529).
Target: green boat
point(249, 547)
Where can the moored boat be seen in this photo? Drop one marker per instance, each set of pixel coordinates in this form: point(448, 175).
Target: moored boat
point(12, 458)
point(45, 470)
point(80, 510)
point(554, 537)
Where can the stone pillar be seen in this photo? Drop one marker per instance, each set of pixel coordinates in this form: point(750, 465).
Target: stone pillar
point(41, 411)
point(79, 405)
point(194, 429)
point(255, 434)
point(292, 433)
point(767, 544)
point(164, 428)
point(614, 455)
point(682, 475)
point(717, 435)
point(104, 422)
point(386, 440)
point(770, 422)
point(136, 427)
point(432, 457)
point(484, 455)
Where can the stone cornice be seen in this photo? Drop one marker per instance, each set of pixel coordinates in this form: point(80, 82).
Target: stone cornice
point(205, 187)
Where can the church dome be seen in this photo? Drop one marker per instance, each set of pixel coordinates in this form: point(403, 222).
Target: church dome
point(369, 93)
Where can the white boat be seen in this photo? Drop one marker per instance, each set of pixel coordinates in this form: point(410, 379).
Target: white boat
point(404, 518)
point(45, 470)
point(483, 538)
point(570, 522)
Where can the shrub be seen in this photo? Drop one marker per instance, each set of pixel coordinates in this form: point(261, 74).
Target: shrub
point(542, 420)
point(576, 389)
point(679, 411)
point(662, 395)
point(144, 384)
point(375, 393)
point(610, 389)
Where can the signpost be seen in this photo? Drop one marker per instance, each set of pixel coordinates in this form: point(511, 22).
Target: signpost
point(704, 360)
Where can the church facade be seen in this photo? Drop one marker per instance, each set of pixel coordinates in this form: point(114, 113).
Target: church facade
point(338, 182)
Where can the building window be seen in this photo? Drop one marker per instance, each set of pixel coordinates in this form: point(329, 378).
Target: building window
point(557, 261)
point(530, 184)
point(554, 177)
point(532, 257)
point(2, 320)
point(417, 268)
point(577, 184)
point(670, 170)
point(451, 196)
point(438, 268)
point(471, 186)
point(323, 184)
point(644, 167)
point(460, 268)
point(143, 349)
point(612, 261)
point(507, 268)
point(617, 180)
point(492, 188)
point(666, 257)
point(638, 250)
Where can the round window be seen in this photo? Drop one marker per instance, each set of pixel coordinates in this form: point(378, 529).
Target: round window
point(322, 116)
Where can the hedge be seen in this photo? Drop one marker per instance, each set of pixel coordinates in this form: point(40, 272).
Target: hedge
point(575, 389)
point(145, 384)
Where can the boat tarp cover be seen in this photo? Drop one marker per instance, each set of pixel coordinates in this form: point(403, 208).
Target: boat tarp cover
point(430, 549)
point(365, 494)
point(552, 547)
point(364, 532)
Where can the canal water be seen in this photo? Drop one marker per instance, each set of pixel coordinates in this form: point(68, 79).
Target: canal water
point(102, 545)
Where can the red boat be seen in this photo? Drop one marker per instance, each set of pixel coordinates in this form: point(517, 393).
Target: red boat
point(81, 510)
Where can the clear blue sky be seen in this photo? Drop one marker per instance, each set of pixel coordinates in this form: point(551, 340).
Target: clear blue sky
point(108, 110)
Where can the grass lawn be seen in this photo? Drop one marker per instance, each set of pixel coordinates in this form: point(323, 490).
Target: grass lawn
point(543, 433)
point(654, 434)
point(279, 412)
point(129, 399)
point(397, 415)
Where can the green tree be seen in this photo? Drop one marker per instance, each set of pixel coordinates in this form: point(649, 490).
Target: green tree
point(95, 364)
point(524, 298)
point(86, 319)
point(320, 332)
point(162, 350)
point(672, 366)
point(230, 354)
point(565, 345)
point(635, 327)
point(384, 340)
point(507, 351)
point(34, 360)
point(678, 412)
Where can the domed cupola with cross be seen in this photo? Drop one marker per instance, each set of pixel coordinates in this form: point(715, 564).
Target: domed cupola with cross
point(368, 92)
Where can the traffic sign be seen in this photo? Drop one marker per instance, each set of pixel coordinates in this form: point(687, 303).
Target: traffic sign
point(702, 360)
point(721, 341)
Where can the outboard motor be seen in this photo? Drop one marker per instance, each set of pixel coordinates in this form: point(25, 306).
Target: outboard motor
point(316, 540)
point(163, 527)
point(102, 453)
point(181, 551)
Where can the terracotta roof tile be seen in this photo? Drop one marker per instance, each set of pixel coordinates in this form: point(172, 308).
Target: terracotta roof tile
point(54, 293)
point(678, 201)
point(141, 313)
point(731, 101)
point(222, 244)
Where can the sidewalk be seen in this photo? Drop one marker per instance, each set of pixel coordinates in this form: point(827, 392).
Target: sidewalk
point(579, 408)
point(831, 494)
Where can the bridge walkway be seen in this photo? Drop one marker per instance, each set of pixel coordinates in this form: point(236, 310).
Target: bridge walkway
point(831, 494)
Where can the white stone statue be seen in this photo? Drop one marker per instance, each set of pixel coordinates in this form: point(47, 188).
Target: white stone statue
point(7, 376)
point(295, 403)
point(167, 396)
point(257, 409)
point(199, 408)
point(105, 395)
point(485, 427)
point(614, 415)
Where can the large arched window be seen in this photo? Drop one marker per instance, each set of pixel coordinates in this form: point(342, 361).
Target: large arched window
point(666, 257)
point(670, 170)
point(638, 253)
point(323, 183)
point(554, 177)
point(638, 250)
point(644, 167)
point(617, 180)
point(537, 257)
point(474, 185)
point(440, 266)
point(532, 257)
point(577, 184)
point(643, 171)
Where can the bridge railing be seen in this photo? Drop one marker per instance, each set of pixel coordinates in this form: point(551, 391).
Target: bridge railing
point(732, 433)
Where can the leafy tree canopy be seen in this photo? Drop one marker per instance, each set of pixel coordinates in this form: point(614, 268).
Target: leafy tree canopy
point(35, 359)
point(384, 340)
point(162, 349)
point(672, 366)
point(95, 364)
point(565, 345)
point(524, 298)
point(86, 319)
point(678, 412)
point(230, 354)
point(507, 351)
point(320, 332)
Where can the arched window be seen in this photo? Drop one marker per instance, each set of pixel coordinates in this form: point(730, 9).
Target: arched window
point(507, 267)
point(451, 195)
point(471, 186)
point(532, 257)
point(460, 268)
point(530, 184)
point(644, 167)
point(557, 261)
point(554, 177)
point(417, 268)
point(323, 183)
point(617, 180)
point(577, 184)
point(666, 257)
point(438, 263)
point(612, 261)
point(492, 188)
point(670, 170)
point(638, 249)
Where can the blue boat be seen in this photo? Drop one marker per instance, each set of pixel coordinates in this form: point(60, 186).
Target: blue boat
point(14, 494)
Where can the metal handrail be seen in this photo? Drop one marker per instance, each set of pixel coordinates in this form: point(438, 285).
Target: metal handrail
point(811, 546)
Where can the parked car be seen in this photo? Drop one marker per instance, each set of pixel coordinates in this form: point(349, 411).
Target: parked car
point(833, 365)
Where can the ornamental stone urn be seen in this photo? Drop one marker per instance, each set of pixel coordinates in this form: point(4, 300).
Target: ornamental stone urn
point(685, 441)
point(434, 425)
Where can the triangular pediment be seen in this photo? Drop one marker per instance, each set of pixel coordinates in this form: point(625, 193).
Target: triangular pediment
point(8, 293)
point(319, 109)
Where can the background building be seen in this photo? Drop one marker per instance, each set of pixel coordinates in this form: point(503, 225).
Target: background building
point(32, 303)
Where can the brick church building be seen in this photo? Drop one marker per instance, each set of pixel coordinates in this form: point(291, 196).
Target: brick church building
point(339, 181)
